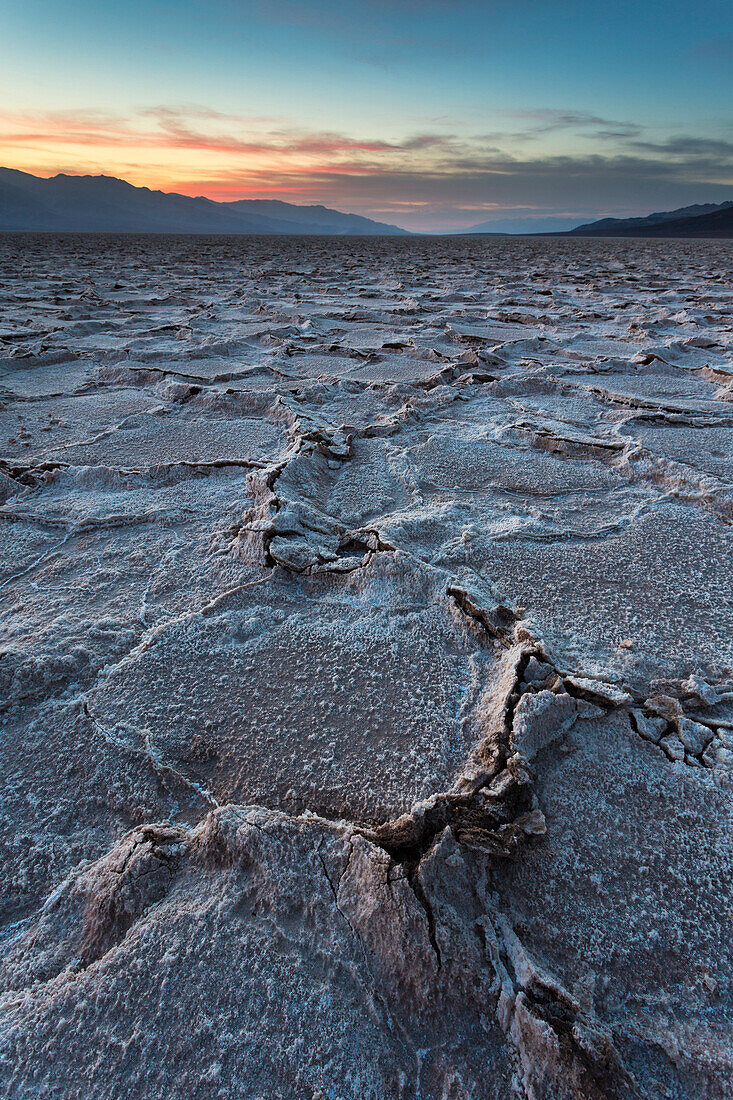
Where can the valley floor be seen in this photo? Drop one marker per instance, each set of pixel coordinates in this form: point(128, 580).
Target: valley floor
point(366, 668)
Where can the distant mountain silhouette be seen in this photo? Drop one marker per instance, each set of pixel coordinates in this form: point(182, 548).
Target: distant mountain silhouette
point(103, 204)
point(708, 220)
point(523, 226)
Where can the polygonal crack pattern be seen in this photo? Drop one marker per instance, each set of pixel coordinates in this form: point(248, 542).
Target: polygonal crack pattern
point(366, 668)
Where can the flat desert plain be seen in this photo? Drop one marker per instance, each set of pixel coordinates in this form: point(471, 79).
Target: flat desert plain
point(366, 668)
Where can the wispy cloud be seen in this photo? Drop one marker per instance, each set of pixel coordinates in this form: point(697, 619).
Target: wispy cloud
point(547, 120)
point(174, 129)
point(716, 50)
point(686, 148)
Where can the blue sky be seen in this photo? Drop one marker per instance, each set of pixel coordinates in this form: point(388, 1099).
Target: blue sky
point(430, 114)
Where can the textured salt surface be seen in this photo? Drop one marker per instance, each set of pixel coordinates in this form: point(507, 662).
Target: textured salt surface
point(366, 651)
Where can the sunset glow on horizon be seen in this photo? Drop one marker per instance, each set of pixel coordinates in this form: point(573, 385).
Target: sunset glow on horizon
point(433, 115)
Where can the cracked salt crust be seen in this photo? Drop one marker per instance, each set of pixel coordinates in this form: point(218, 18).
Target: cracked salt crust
point(365, 668)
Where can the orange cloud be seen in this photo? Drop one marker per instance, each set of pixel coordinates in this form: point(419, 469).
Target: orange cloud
point(174, 132)
point(197, 151)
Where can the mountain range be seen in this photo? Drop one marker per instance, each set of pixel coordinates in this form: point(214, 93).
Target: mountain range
point(700, 220)
point(708, 220)
point(103, 204)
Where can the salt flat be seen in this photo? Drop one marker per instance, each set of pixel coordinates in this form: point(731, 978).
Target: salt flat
point(366, 668)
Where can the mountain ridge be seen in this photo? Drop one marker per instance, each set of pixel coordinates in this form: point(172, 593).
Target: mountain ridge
point(687, 221)
point(699, 220)
point(106, 204)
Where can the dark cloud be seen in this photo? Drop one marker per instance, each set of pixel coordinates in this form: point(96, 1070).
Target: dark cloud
point(716, 50)
point(691, 148)
point(470, 191)
point(379, 33)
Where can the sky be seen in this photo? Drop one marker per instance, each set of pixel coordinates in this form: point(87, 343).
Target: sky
point(430, 114)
